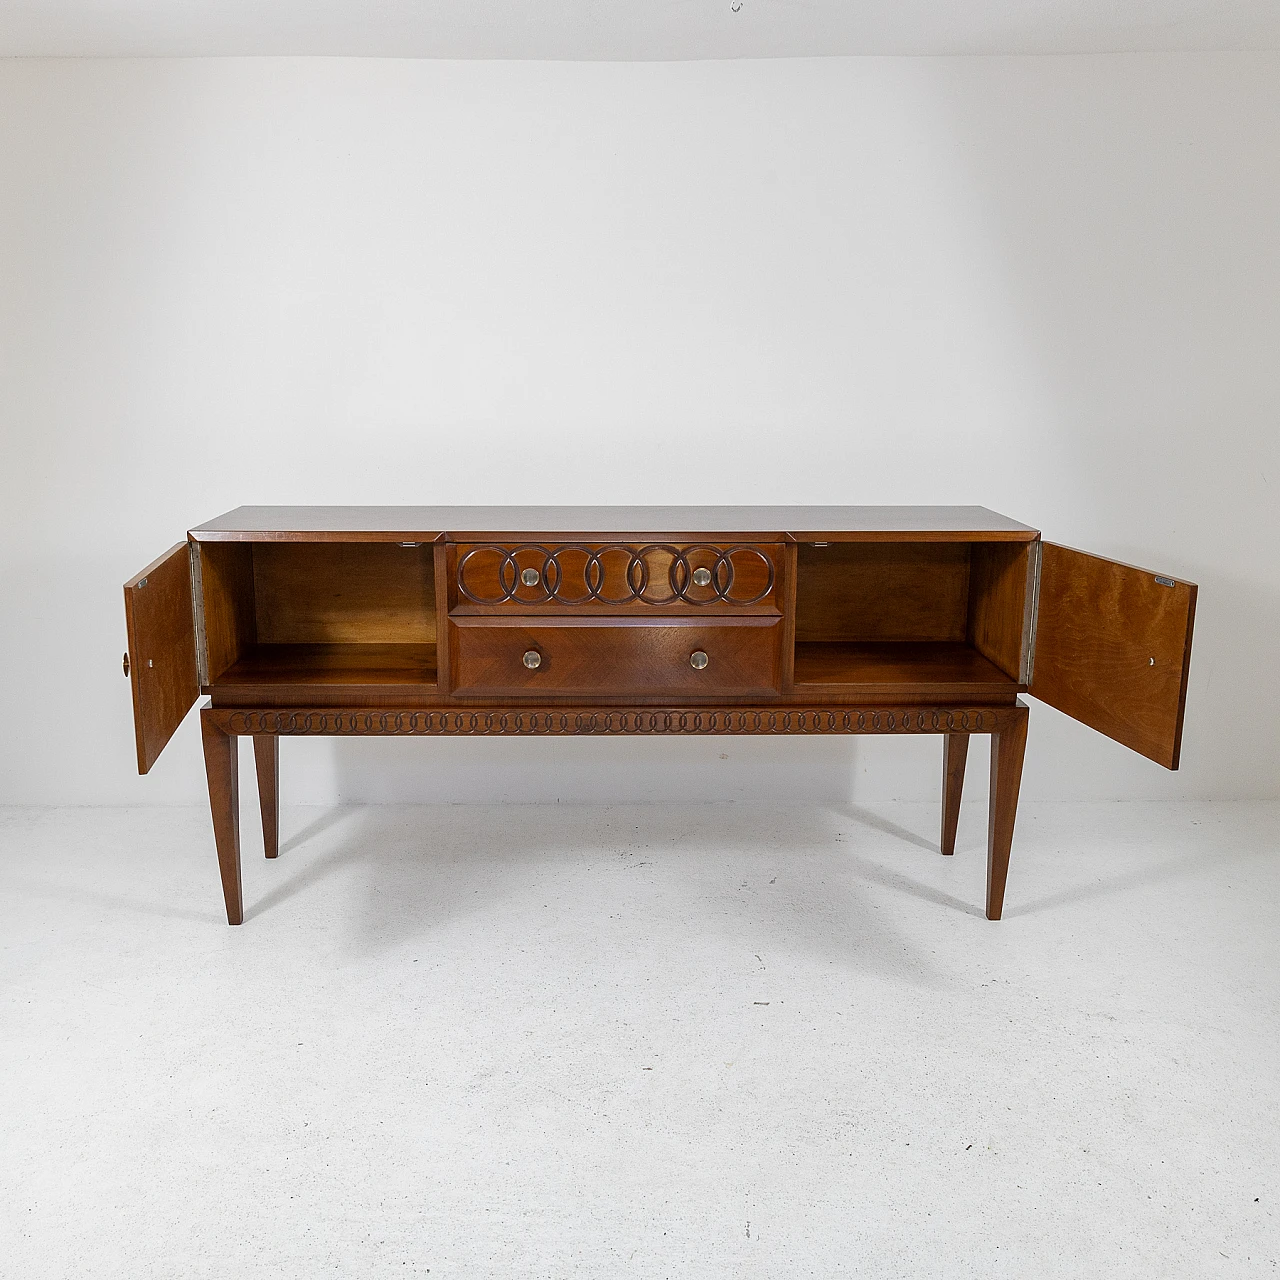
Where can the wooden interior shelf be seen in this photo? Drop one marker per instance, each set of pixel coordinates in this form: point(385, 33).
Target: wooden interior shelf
point(942, 668)
point(387, 668)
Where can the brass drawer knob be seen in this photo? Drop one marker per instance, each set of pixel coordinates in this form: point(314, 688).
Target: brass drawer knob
point(698, 659)
point(532, 659)
point(530, 578)
point(702, 577)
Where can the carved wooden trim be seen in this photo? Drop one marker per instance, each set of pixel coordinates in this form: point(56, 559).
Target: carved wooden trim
point(587, 585)
point(613, 720)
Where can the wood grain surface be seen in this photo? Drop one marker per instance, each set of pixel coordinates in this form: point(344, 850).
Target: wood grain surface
point(614, 577)
point(938, 669)
point(335, 593)
point(497, 524)
point(883, 591)
point(643, 658)
point(160, 623)
point(1113, 648)
point(333, 673)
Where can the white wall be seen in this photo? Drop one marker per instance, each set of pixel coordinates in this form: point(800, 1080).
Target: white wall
point(1051, 286)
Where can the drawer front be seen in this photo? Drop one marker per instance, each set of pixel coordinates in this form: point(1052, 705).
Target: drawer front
point(540, 657)
point(614, 577)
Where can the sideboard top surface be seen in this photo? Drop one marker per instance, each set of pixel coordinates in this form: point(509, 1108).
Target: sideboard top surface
point(429, 524)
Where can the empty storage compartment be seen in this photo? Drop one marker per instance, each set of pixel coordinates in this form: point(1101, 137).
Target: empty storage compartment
point(893, 619)
point(340, 618)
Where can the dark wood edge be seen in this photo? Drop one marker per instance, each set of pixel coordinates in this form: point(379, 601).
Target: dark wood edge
point(567, 620)
point(930, 691)
point(315, 535)
point(134, 651)
point(785, 594)
point(526, 720)
point(916, 535)
point(1186, 676)
point(131, 642)
point(443, 593)
point(1124, 564)
point(645, 610)
point(661, 535)
point(151, 568)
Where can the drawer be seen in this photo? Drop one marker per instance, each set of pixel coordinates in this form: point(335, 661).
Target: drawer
point(614, 577)
point(547, 657)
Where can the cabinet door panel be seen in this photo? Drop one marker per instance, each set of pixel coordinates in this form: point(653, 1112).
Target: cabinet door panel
point(162, 650)
point(1112, 649)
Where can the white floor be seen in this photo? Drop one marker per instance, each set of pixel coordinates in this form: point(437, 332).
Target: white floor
point(651, 1042)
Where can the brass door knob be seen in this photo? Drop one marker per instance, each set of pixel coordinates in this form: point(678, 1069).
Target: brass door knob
point(698, 659)
point(702, 577)
point(530, 577)
point(532, 659)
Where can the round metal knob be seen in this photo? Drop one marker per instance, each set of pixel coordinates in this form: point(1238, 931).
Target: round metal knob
point(702, 577)
point(532, 659)
point(698, 659)
point(126, 664)
point(530, 578)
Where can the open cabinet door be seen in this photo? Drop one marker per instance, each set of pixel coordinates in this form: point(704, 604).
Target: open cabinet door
point(1112, 649)
point(162, 650)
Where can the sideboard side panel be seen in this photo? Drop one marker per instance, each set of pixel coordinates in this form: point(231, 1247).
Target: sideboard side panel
point(998, 593)
point(230, 621)
point(444, 555)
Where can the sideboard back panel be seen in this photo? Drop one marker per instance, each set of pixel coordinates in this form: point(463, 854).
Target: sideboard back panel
point(859, 591)
point(344, 593)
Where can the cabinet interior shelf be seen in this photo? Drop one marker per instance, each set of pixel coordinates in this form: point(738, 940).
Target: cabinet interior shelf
point(386, 666)
point(881, 667)
point(900, 666)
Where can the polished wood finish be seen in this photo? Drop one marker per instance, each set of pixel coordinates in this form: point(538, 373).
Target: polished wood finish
point(882, 591)
point(344, 593)
point(161, 659)
point(228, 618)
point(1008, 744)
point(614, 578)
point(955, 751)
point(335, 674)
point(785, 593)
point(266, 758)
point(586, 524)
point(931, 669)
point(526, 717)
point(1001, 583)
point(1113, 649)
point(222, 769)
point(909, 620)
point(641, 658)
point(444, 563)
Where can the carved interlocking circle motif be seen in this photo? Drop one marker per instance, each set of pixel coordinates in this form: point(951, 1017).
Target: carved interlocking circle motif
point(643, 720)
point(616, 574)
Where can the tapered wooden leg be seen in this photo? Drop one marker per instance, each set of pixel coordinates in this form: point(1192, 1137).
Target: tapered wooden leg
point(1007, 747)
point(955, 750)
point(220, 764)
point(266, 755)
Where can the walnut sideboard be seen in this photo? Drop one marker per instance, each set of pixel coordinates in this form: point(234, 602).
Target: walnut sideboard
point(646, 620)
